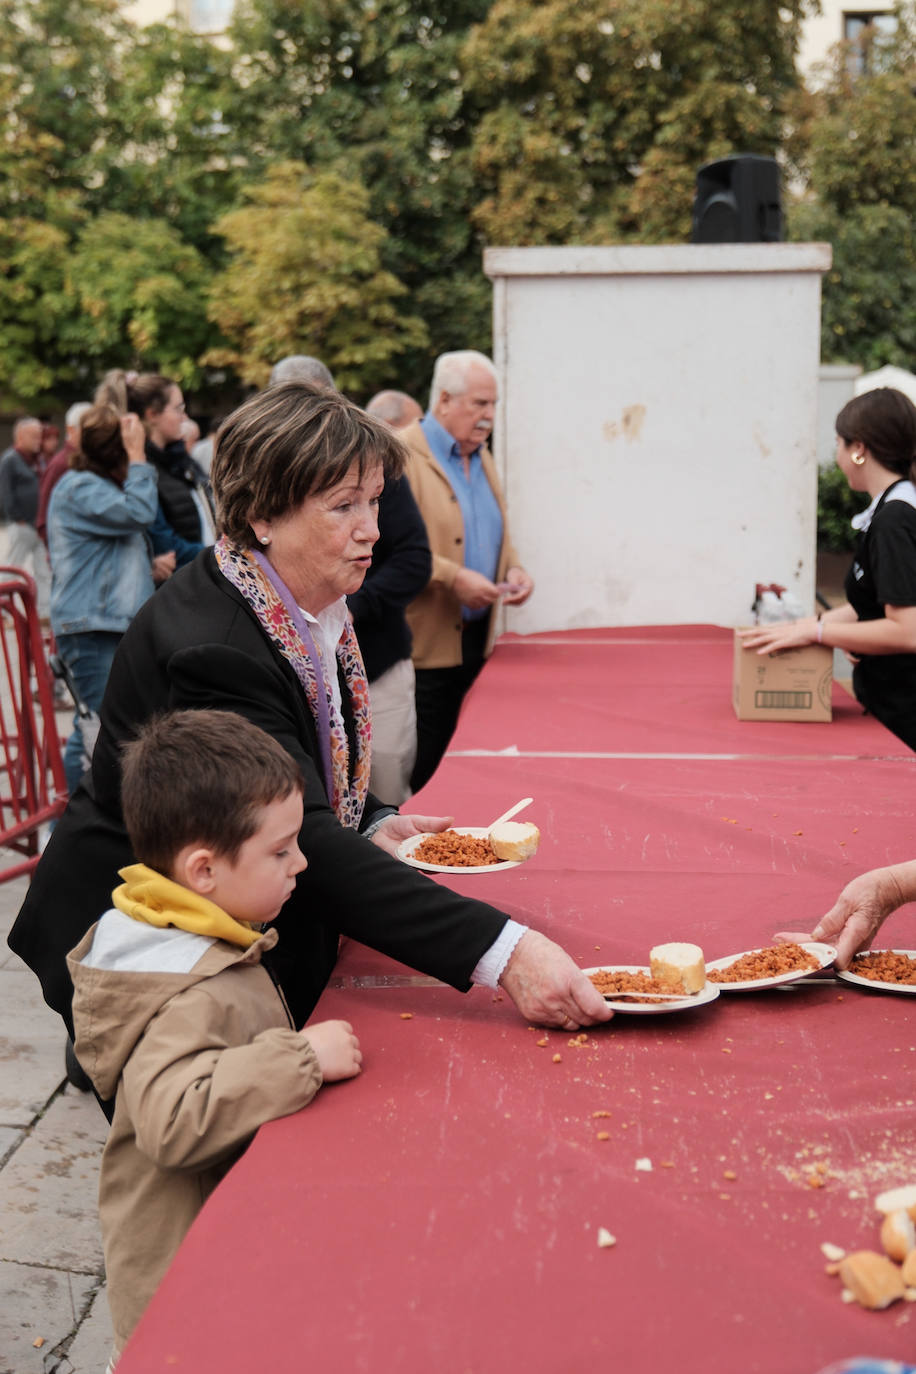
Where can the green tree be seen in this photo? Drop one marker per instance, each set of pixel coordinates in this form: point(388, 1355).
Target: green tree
point(60, 72)
point(376, 93)
point(305, 275)
point(137, 298)
point(174, 157)
point(853, 147)
point(32, 307)
point(595, 114)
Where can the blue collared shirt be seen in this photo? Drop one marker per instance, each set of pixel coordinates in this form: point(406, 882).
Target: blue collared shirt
point(483, 521)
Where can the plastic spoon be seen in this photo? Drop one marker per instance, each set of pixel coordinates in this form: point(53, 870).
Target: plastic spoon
point(513, 811)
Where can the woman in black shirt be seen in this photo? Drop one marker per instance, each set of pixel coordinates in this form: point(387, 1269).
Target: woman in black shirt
point(876, 449)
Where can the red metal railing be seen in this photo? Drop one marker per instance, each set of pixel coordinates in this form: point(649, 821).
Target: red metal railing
point(33, 789)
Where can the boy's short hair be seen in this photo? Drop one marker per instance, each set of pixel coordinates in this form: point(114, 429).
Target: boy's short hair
point(200, 777)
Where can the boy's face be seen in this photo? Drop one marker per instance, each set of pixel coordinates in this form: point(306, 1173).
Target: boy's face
point(254, 885)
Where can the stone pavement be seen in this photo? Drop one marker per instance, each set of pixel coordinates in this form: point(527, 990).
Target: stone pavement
point(53, 1312)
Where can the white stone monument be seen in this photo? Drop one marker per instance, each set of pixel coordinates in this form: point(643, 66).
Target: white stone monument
point(657, 431)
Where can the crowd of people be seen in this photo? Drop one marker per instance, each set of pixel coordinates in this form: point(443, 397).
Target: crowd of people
point(278, 641)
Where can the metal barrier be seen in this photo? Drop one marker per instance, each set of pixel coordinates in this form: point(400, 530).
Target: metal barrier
point(33, 789)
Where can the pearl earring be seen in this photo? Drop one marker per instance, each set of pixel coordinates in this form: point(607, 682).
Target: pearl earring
point(265, 538)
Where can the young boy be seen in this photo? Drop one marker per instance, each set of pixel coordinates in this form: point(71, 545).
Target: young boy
point(176, 1016)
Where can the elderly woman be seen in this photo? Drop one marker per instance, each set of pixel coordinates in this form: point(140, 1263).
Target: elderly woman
point(876, 452)
point(258, 625)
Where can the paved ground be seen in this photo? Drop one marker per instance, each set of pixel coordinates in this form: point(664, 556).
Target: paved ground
point(53, 1313)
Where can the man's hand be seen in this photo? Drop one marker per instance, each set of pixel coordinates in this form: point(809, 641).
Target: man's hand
point(521, 586)
point(474, 590)
point(548, 988)
point(395, 829)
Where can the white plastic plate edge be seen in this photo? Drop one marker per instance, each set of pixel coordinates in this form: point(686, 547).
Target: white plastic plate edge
point(849, 977)
point(825, 955)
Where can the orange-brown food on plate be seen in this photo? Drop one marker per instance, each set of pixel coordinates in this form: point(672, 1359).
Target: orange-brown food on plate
point(885, 966)
point(455, 851)
point(765, 963)
point(608, 981)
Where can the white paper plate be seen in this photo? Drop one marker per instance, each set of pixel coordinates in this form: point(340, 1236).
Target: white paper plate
point(687, 1003)
point(825, 955)
point(849, 977)
point(480, 832)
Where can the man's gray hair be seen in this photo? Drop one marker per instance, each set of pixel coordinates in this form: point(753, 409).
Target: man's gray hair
point(390, 406)
point(75, 414)
point(22, 422)
point(299, 367)
point(451, 373)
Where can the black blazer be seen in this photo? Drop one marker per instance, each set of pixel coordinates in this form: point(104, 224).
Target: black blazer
point(401, 565)
point(197, 644)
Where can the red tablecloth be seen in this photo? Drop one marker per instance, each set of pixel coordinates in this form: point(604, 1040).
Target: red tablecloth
point(442, 1211)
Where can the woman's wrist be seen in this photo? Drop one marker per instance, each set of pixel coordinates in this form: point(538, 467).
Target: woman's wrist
point(378, 820)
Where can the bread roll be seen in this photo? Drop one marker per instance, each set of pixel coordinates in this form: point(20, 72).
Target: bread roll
point(895, 1198)
point(679, 963)
point(908, 1273)
point(872, 1279)
point(515, 840)
point(898, 1234)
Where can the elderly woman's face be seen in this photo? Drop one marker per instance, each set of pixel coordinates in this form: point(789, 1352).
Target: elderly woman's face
point(323, 549)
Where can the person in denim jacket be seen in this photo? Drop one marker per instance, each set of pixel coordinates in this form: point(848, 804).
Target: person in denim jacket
point(101, 570)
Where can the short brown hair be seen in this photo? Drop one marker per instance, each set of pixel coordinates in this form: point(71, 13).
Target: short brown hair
point(200, 777)
point(884, 421)
point(287, 443)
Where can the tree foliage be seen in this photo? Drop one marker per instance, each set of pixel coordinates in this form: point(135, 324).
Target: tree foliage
point(32, 258)
point(60, 72)
point(376, 93)
point(137, 293)
point(139, 166)
point(305, 276)
point(597, 113)
point(854, 149)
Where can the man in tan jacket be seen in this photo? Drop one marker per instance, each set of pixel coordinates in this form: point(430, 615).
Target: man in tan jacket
point(453, 477)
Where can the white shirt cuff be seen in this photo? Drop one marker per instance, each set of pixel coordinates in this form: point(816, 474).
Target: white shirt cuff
point(489, 970)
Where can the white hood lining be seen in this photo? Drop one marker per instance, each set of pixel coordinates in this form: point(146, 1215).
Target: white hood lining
point(123, 945)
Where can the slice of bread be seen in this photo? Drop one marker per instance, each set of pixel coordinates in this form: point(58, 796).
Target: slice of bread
point(516, 840)
point(679, 964)
point(872, 1278)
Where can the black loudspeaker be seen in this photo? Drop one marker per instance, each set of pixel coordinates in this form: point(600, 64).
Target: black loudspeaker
point(737, 201)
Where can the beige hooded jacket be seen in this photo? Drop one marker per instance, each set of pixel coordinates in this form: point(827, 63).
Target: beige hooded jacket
point(194, 1042)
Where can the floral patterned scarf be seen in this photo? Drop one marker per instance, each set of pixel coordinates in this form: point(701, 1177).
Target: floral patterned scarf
point(285, 625)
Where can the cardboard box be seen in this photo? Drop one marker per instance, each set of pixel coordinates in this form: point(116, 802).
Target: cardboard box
point(794, 684)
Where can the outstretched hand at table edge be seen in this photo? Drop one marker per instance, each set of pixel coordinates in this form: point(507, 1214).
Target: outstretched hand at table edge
point(861, 909)
point(548, 988)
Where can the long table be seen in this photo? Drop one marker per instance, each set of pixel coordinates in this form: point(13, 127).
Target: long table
point(444, 1210)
